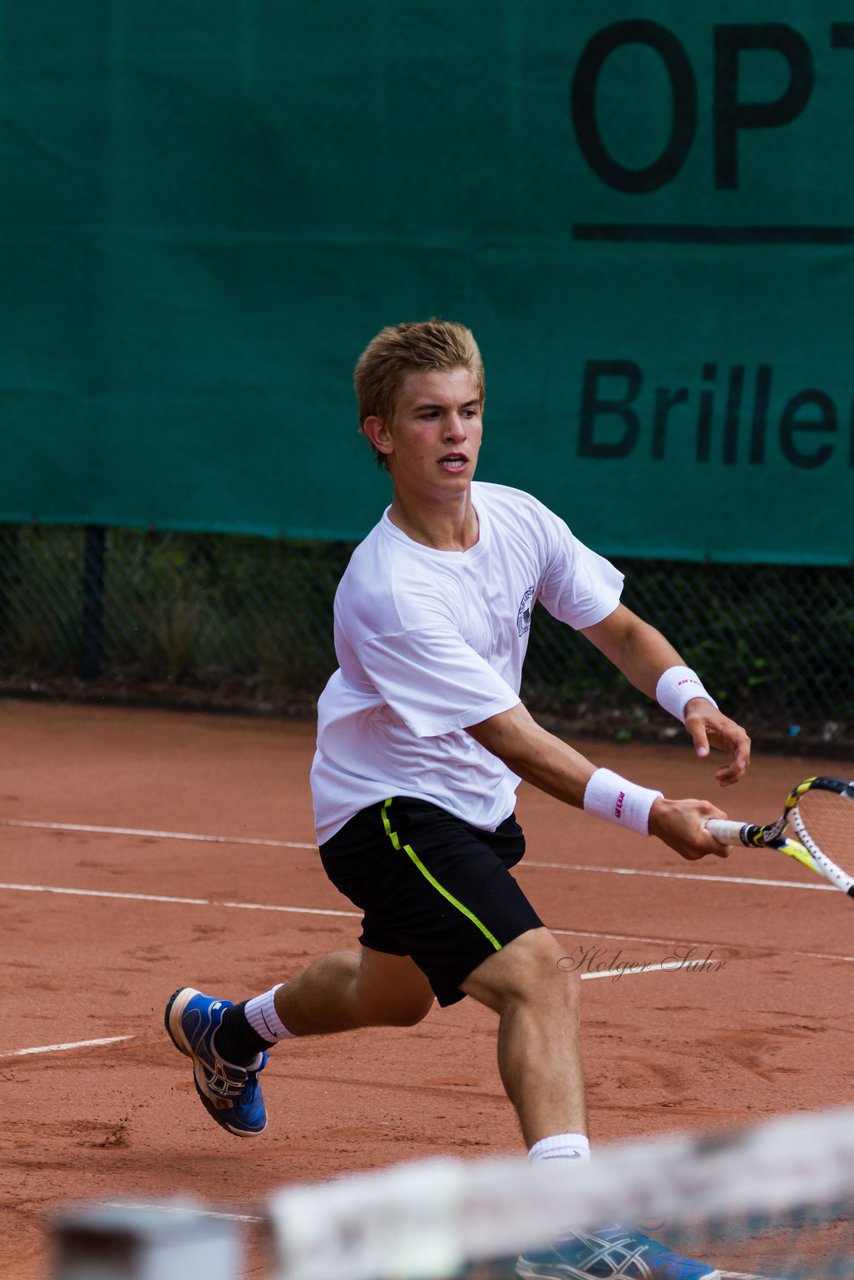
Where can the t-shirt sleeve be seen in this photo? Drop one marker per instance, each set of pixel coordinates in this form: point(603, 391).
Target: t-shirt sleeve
point(434, 681)
point(579, 586)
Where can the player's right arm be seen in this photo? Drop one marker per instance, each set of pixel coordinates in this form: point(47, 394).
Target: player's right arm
point(551, 765)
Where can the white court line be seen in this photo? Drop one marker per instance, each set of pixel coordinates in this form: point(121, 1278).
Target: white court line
point(158, 835)
point(331, 911)
point(634, 968)
point(185, 902)
point(667, 966)
point(672, 875)
point(724, 946)
point(525, 865)
point(631, 970)
point(62, 1048)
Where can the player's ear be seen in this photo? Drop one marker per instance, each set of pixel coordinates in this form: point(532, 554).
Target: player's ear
point(377, 431)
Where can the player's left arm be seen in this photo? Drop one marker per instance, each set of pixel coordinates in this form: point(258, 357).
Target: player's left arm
point(643, 655)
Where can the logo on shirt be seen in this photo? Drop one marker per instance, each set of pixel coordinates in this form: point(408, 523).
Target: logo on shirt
point(523, 616)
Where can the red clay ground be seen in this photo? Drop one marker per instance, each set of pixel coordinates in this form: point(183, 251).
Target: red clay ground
point(686, 1049)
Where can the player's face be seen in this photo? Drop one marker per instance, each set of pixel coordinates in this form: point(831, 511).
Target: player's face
point(434, 438)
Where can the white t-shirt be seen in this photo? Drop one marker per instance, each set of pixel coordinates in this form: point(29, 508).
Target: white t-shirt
point(430, 642)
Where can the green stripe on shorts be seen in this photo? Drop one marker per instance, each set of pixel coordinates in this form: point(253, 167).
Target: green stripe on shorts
point(413, 856)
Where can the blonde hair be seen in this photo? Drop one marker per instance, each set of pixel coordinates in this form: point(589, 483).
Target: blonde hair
point(398, 350)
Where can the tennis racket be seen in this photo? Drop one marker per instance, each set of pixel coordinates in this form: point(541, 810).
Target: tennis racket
point(821, 810)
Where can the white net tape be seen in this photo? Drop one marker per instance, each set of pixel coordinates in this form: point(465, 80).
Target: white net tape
point(426, 1219)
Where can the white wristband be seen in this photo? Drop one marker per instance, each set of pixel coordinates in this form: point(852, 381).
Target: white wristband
point(676, 687)
point(615, 799)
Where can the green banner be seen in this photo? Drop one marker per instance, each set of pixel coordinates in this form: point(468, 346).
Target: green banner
point(645, 212)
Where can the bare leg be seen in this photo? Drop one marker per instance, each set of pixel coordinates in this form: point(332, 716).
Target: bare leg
point(350, 989)
point(539, 1050)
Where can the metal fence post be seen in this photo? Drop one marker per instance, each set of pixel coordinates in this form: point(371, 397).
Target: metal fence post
point(9, 573)
point(92, 629)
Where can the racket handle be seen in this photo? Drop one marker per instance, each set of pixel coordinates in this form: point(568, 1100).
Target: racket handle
point(724, 831)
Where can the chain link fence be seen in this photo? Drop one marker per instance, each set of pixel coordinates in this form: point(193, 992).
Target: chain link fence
point(246, 623)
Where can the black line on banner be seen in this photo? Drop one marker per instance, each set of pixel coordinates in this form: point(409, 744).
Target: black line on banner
point(677, 233)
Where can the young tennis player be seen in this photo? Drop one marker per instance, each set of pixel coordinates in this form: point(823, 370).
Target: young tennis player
point(422, 741)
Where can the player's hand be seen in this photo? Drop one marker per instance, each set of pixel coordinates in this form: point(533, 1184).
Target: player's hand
point(681, 824)
point(709, 727)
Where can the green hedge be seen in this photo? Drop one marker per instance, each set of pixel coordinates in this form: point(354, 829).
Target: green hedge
point(251, 619)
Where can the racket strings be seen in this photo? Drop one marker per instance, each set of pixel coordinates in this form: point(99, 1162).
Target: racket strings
point(827, 819)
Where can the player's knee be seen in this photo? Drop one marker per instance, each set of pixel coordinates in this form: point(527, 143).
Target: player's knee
point(411, 1015)
point(526, 971)
point(382, 1011)
point(542, 975)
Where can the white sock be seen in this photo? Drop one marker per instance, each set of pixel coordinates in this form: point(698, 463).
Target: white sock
point(561, 1146)
point(262, 1017)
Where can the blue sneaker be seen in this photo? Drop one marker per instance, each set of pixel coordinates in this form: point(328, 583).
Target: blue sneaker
point(612, 1254)
point(231, 1094)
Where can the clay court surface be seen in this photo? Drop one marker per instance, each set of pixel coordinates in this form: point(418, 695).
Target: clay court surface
point(753, 1029)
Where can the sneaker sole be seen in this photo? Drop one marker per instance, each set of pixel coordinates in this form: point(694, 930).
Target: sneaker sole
point(530, 1271)
point(172, 1018)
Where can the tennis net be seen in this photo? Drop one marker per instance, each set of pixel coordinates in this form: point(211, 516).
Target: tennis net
point(774, 1202)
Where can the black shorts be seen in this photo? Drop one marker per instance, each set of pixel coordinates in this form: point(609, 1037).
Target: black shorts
point(431, 887)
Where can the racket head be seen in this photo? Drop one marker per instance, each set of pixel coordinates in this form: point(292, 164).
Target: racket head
point(823, 818)
point(821, 812)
